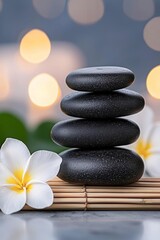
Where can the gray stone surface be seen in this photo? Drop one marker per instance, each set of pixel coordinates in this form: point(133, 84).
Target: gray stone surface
point(74, 225)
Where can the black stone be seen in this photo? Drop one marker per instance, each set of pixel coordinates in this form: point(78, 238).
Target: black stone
point(115, 166)
point(102, 105)
point(84, 133)
point(100, 79)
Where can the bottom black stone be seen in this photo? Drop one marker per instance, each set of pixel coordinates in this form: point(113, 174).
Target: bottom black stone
point(114, 166)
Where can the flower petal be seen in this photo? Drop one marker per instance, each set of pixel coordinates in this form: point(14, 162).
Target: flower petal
point(144, 119)
point(39, 195)
point(10, 200)
point(43, 166)
point(153, 165)
point(6, 177)
point(14, 154)
point(154, 137)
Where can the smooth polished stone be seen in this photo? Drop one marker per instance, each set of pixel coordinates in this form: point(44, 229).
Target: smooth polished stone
point(100, 78)
point(115, 166)
point(83, 133)
point(102, 105)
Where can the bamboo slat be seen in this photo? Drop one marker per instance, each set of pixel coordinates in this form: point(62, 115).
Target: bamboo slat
point(105, 207)
point(63, 206)
point(143, 195)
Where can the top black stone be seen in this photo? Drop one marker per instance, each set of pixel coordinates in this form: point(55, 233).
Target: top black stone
point(95, 79)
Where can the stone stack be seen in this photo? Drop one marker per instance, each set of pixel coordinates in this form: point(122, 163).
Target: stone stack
point(98, 128)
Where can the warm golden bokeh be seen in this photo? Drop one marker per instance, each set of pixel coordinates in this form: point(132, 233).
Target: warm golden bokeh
point(4, 84)
point(86, 12)
point(153, 82)
point(151, 33)
point(43, 90)
point(35, 46)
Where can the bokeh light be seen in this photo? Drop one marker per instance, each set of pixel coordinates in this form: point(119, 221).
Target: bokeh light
point(139, 9)
point(153, 82)
point(1, 5)
point(86, 12)
point(35, 46)
point(49, 8)
point(4, 83)
point(43, 90)
point(152, 33)
point(65, 57)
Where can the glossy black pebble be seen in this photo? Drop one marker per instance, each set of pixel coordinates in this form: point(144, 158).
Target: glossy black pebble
point(102, 105)
point(114, 166)
point(83, 133)
point(100, 79)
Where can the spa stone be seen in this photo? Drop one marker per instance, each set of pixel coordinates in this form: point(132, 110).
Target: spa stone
point(115, 166)
point(101, 79)
point(97, 134)
point(102, 105)
point(101, 100)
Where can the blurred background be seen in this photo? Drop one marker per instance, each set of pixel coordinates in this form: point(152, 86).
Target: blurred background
point(41, 41)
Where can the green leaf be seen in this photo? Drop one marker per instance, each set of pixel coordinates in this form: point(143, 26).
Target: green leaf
point(40, 138)
point(12, 126)
point(43, 130)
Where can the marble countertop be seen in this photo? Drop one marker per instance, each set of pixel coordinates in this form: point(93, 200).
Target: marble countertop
point(77, 225)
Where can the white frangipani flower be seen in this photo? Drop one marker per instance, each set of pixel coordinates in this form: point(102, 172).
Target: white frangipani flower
point(148, 144)
point(23, 176)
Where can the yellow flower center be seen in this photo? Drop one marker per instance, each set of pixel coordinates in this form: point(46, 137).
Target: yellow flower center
point(20, 182)
point(143, 149)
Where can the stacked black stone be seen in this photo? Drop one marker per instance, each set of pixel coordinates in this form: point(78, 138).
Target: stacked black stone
point(96, 159)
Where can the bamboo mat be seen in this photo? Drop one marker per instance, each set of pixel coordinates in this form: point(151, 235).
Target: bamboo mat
point(143, 195)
